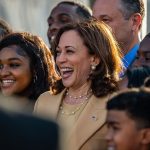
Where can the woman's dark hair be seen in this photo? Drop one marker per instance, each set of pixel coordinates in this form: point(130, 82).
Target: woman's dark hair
point(41, 62)
point(100, 42)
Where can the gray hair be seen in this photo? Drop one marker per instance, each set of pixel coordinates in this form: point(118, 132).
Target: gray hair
point(129, 7)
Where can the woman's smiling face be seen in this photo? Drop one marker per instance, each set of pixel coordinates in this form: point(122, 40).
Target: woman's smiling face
point(15, 72)
point(73, 59)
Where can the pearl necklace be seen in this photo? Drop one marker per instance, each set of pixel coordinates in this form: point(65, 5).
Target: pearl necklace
point(74, 100)
point(84, 101)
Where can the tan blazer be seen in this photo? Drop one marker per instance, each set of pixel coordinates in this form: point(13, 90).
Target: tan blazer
point(89, 130)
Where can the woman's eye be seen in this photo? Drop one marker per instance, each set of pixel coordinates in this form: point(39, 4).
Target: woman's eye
point(70, 51)
point(14, 65)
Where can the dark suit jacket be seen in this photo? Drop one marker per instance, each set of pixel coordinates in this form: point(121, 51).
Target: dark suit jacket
point(25, 132)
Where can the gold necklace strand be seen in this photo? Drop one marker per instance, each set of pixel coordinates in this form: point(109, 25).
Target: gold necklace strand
point(63, 112)
point(77, 100)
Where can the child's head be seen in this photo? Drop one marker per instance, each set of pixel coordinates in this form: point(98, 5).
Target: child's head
point(136, 76)
point(128, 120)
point(143, 54)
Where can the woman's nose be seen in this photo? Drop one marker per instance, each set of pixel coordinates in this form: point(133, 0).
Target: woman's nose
point(4, 71)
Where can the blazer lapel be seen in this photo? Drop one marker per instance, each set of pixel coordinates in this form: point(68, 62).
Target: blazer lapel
point(90, 120)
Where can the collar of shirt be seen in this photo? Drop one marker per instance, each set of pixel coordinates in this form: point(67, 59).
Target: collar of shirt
point(129, 58)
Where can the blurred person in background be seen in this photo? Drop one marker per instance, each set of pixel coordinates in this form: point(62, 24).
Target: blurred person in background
point(66, 12)
point(135, 77)
point(89, 64)
point(23, 131)
point(26, 66)
point(4, 28)
point(125, 18)
point(143, 54)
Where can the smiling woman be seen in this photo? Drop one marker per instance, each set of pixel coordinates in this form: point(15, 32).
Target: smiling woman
point(88, 60)
point(14, 70)
point(26, 66)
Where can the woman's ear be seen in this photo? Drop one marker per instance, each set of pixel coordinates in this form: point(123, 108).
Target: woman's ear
point(95, 60)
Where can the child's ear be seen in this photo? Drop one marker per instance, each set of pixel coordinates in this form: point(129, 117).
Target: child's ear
point(146, 136)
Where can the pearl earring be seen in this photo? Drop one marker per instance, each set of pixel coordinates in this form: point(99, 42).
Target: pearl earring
point(93, 67)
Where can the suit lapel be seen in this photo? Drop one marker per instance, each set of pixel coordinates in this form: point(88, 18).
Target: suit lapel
point(91, 119)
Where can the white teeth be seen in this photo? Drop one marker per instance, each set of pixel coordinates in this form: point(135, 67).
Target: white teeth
point(66, 69)
point(7, 81)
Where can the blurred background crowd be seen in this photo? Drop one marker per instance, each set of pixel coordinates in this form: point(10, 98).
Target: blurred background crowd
point(30, 15)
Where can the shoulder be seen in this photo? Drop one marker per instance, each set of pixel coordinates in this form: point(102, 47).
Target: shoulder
point(47, 103)
point(43, 99)
point(45, 96)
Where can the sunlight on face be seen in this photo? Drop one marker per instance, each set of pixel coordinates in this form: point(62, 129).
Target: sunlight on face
point(73, 59)
point(122, 131)
point(15, 73)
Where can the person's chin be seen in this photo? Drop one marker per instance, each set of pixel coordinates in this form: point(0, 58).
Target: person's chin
point(67, 82)
point(7, 92)
point(111, 148)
